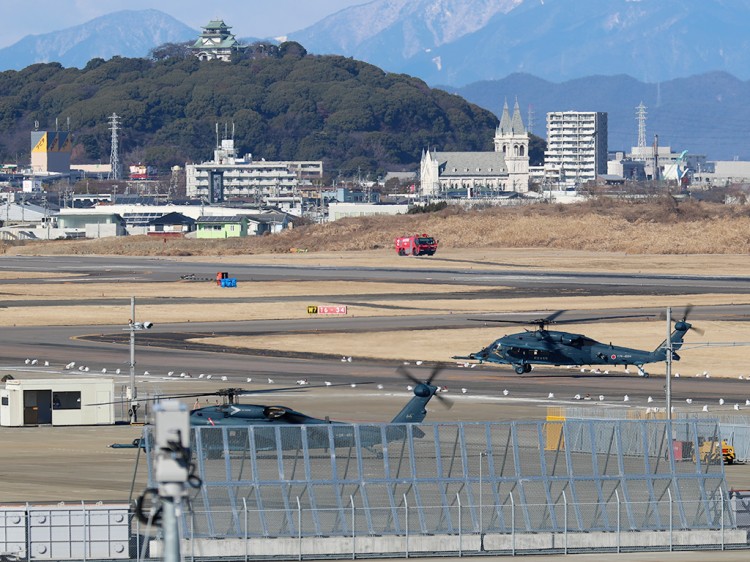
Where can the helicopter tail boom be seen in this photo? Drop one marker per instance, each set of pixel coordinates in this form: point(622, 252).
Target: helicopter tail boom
point(414, 411)
point(677, 338)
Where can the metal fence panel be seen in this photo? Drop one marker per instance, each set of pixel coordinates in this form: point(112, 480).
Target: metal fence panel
point(545, 476)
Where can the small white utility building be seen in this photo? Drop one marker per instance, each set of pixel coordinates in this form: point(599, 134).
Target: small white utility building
point(57, 402)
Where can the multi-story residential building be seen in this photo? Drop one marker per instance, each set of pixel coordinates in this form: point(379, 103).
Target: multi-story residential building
point(576, 147)
point(229, 176)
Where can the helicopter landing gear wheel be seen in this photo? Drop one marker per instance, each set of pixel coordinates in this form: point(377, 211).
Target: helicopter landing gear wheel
point(520, 369)
point(642, 373)
point(527, 368)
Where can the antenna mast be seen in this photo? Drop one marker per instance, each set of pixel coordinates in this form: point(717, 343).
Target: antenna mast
point(530, 120)
point(114, 157)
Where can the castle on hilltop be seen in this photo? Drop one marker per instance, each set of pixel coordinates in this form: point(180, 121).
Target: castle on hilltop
point(216, 42)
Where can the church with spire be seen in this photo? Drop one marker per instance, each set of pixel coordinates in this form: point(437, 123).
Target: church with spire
point(481, 173)
point(512, 139)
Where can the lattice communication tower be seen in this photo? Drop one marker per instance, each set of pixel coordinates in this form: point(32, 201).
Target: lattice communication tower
point(641, 116)
point(530, 120)
point(114, 156)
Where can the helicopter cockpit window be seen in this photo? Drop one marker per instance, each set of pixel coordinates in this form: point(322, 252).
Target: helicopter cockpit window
point(586, 341)
point(273, 412)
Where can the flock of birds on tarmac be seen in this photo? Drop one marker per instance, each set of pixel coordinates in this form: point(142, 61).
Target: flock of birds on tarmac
point(303, 382)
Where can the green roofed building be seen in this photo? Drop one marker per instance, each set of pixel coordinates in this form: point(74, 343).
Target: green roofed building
point(216, 42)
point(221, 227)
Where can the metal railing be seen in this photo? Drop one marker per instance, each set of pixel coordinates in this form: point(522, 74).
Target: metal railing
point(472, 529)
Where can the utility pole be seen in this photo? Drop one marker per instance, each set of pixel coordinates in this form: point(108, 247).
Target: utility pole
point(669, 364)
point(133, 392)
point(133, 327)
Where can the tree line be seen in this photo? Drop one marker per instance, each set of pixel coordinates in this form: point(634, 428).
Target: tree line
point(283, 103)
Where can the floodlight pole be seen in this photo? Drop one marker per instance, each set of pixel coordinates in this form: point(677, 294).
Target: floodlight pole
point(669, 364)
point(133, 391)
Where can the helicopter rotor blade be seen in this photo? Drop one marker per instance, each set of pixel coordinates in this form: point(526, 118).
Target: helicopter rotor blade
point(404, 372)
point(595, 318)
point(500, 321)
point(685, 315)
point(435, 372)
point(228, 392)
point(551, 319)
point(447, 403)
point(686, 312)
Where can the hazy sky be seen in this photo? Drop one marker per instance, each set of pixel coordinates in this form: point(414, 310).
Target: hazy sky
point(248, 18)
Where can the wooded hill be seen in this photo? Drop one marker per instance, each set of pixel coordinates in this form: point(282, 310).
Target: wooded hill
point(287, 105)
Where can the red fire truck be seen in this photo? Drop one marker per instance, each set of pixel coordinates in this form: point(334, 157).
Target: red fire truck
point(416, 245)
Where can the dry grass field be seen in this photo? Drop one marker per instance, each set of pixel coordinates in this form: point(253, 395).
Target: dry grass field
point(650, 226)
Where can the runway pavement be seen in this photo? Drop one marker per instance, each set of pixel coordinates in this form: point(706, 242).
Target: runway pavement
point(62, 463)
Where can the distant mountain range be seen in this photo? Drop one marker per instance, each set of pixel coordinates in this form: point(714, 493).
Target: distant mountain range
point(128, 33)
point(457, 42)
point(704, 114)
point(490, 50)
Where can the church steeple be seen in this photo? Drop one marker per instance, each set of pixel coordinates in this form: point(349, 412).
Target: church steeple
point(512, 139)
point(505, 124)
point(516, 125)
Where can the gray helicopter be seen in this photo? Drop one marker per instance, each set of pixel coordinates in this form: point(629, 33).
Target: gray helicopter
point(549, 347)
point(266, 418)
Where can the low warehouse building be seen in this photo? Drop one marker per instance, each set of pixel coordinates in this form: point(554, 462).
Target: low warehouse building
point(57, 402)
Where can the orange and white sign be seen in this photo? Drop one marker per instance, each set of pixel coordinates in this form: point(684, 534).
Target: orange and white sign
point(331, 310)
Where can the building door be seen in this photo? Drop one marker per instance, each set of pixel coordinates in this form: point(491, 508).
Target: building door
point(37, 407)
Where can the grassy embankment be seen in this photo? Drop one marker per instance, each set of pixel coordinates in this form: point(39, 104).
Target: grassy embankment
point(660, 226)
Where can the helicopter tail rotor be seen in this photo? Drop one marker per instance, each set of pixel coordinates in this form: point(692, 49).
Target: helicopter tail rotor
point(685, 314)
point(426, 388)
point(682, 323)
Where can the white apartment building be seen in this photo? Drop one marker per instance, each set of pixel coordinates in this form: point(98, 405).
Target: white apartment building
point(228, 175)
point(576, 147)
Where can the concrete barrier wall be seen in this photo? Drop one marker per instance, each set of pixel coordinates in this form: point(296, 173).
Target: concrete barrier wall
point(400, 546)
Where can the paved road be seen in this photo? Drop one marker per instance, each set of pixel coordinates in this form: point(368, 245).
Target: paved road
point(97, 269)
point(163, 351)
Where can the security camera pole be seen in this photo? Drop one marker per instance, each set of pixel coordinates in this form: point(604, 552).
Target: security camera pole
point(172, 469)
point(133, 326)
